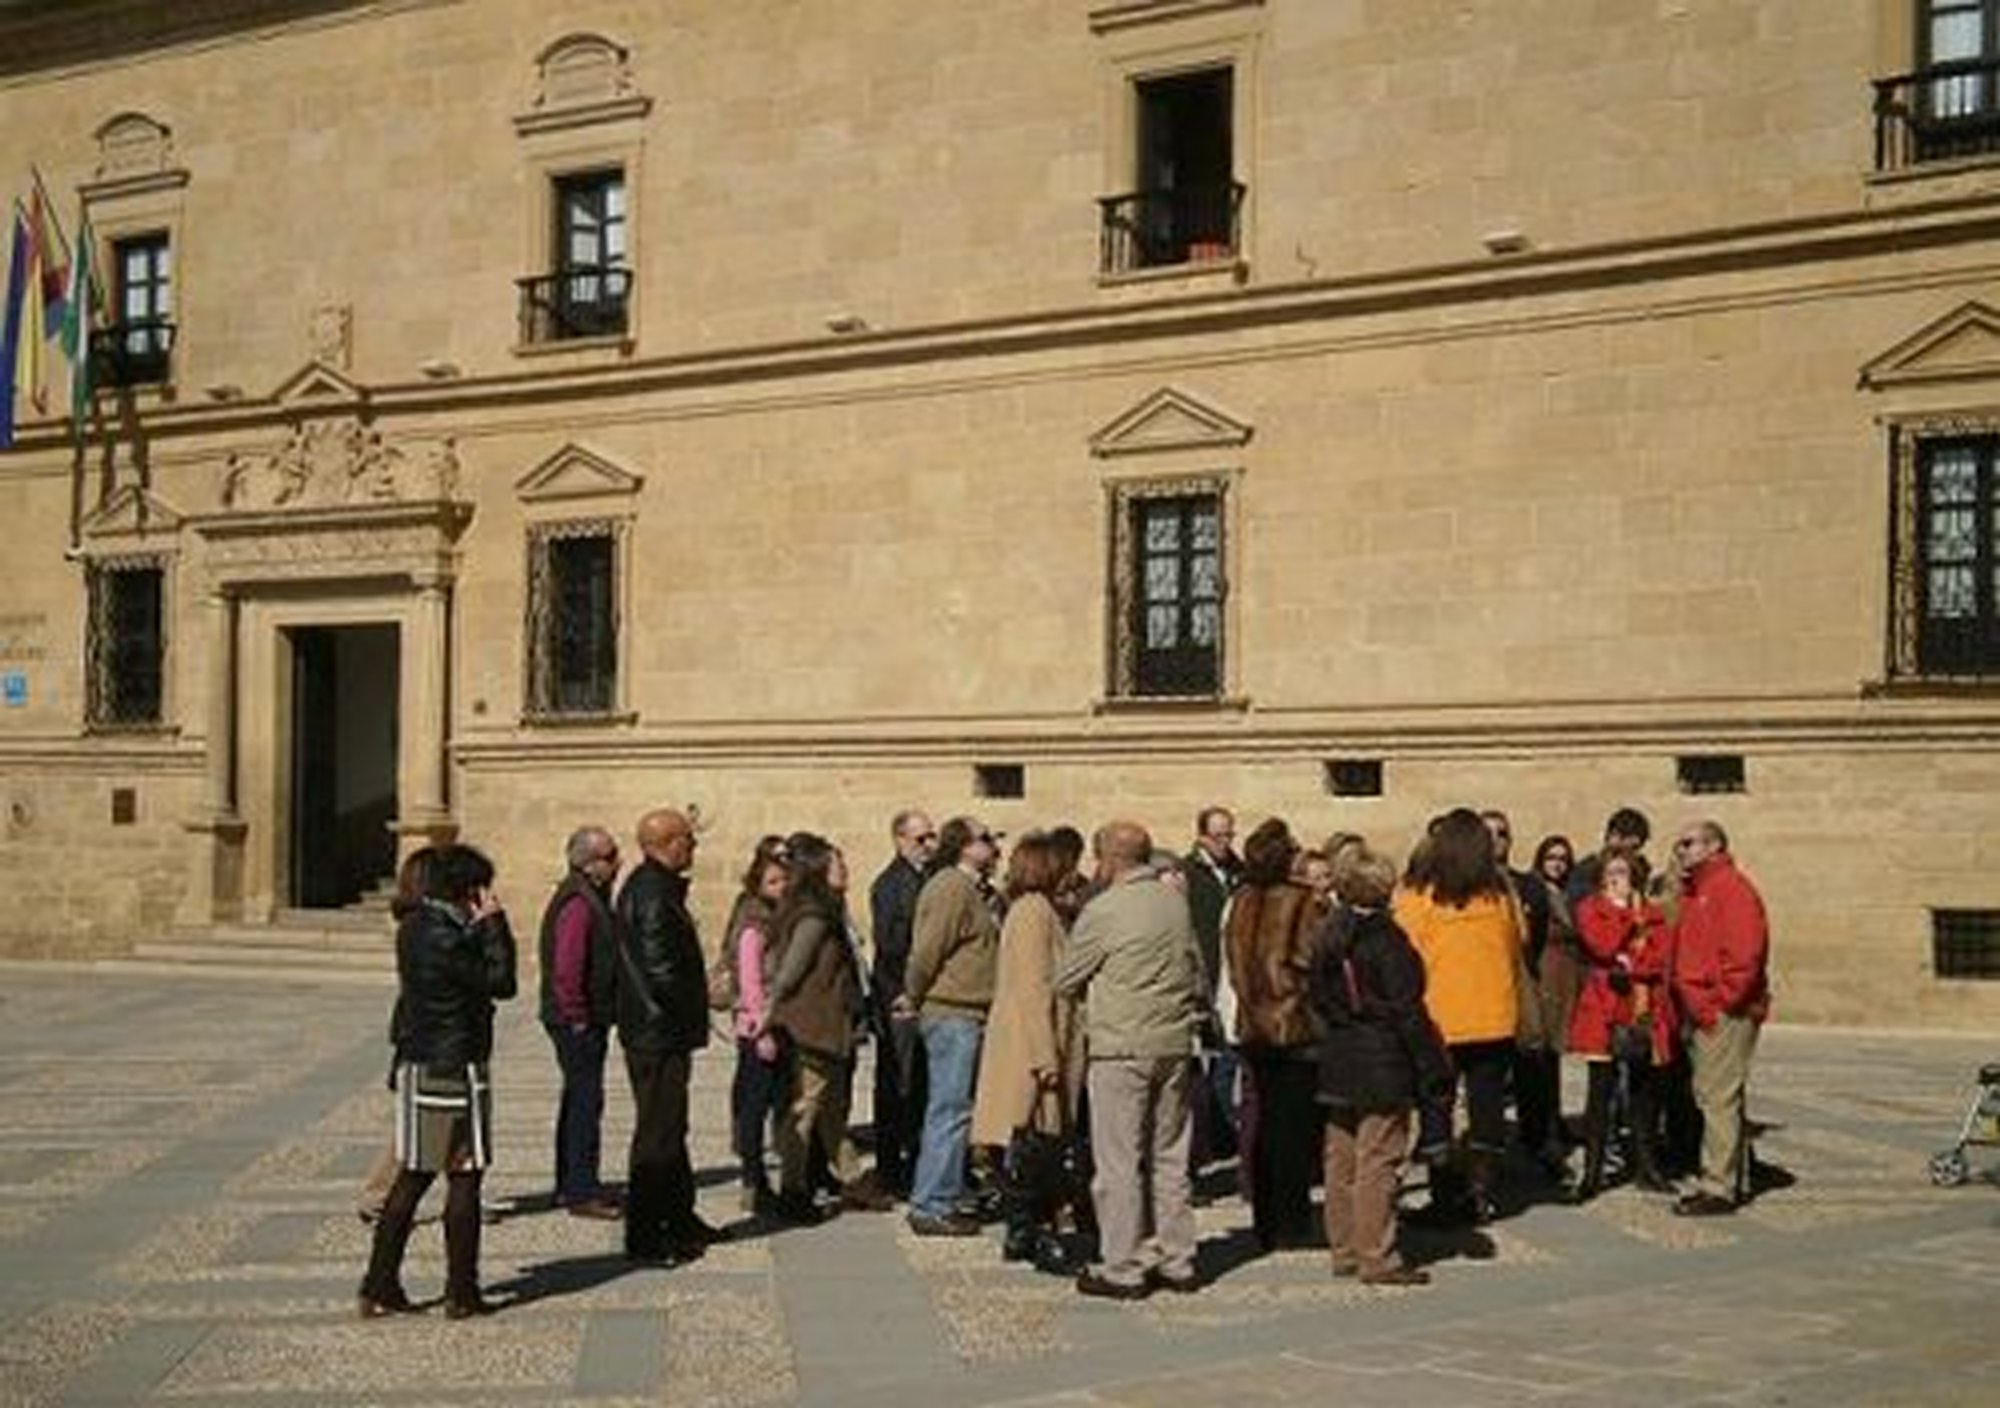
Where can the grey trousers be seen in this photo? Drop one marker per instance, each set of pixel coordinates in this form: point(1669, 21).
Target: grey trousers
point(1139, 1133)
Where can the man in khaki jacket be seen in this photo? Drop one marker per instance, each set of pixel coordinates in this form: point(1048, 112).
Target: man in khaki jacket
point(1134, 958)
point(954, 949)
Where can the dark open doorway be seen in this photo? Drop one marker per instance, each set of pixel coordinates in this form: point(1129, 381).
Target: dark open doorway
point(344, 693)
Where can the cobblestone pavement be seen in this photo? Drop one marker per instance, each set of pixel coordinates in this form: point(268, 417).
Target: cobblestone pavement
point(179, 1158)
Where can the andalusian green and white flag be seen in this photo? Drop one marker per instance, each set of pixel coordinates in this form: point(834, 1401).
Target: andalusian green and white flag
point(77, 306)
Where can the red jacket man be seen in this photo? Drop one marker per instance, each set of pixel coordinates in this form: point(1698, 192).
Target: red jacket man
point(1722, 942)
point(1721, 946)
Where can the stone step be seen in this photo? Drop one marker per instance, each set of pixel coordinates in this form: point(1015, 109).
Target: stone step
point(290, 971)
point(377, 940)
point(284, 956)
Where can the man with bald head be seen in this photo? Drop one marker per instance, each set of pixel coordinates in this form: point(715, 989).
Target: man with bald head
point(662, 1022)
point(1134, 957)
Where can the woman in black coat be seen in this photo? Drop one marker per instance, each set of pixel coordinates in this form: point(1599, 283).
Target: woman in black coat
point(454, 957)
point(1380, 1055)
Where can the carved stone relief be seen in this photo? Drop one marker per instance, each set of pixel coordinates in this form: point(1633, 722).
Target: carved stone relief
point(335, 462)
point(330, 335)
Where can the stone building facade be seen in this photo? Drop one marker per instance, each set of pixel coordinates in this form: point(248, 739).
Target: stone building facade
point(521, 413)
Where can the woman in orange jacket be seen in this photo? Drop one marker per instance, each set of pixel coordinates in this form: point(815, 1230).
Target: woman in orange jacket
point(1466, 927)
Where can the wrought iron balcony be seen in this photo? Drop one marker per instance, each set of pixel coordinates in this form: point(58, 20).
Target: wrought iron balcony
point(1939, 113)
point(136, 353)
point(581, 301)
point(1158, 229)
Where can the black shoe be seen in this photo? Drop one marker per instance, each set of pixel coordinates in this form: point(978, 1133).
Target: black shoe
point(1704, 1205)
point(468, 1307)
point(950, 1225)
point(1089, 1283)
point(653, 1255)
point(1400, 1276)
point(1651, 1180)
point(694, 1230)
point(797, 1209)
point(390, 1302)
point(1180, 1285)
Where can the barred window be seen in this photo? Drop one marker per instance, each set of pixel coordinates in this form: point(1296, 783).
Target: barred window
point(572, 620)
point(1167, 589)
point(125, 652)
point(1965, 943)
point(1947, 578)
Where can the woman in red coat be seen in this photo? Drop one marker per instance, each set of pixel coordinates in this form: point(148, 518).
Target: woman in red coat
point(1623, 1019)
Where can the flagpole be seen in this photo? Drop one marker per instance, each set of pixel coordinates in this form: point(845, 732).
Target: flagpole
point(49, 205)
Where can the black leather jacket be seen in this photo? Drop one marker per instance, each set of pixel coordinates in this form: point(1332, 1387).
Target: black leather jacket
point(662, 980)
point(451, 972)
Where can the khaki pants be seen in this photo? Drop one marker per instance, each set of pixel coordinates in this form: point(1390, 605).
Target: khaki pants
point(1721, 1071)
point(822, 1091)
point(1139, 1134)
point(1364, 1167)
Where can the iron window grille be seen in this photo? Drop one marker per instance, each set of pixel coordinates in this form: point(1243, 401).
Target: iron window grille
point(1945, 569)
point(126, 645)
point(1168, 589)
point(572, 621)
point(1965, 943)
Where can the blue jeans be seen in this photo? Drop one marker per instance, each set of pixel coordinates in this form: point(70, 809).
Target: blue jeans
point(951, 1054)
point(580, 1116)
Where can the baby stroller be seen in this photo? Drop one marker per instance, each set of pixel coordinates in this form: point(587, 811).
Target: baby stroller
point(1981, 1128)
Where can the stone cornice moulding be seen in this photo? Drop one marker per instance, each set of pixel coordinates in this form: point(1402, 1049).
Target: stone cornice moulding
point(631, 109)
point(1963, 345)
point(577, 472)
point(1170, 419)
point(117, 188)
point(1131, 14)
point(1815, 240)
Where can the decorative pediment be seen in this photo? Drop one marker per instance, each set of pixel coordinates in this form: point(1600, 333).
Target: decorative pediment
point(133, 144)
point(132, 512)
point(316, 382)
point(577, 472)
point(1169, 420)
point(1963, 345)
point(581, 79)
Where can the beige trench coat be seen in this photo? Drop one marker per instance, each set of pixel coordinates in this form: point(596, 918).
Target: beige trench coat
point(1029, 1029)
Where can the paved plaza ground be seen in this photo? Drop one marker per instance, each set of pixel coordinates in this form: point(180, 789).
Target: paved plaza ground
point(179, 1157)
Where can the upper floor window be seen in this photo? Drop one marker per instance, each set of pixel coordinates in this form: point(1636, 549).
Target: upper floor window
point(589, 284)
point(1950, 106)
point(572, 620)
point(126, 645)
point(1186, 203)
point(1168, 588)
point(134, 349)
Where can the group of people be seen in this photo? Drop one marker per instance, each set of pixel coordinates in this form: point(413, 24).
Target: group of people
point(1040, 1028)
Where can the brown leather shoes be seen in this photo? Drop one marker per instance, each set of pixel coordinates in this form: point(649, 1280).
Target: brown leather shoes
point(599, 1209)
point(1397, 1276)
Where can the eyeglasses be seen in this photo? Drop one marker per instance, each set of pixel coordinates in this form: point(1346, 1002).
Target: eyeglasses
point(926, 838)
point(989, 838)
point(1687, 843)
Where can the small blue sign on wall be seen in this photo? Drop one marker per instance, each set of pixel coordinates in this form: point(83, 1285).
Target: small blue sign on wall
point(14, 689)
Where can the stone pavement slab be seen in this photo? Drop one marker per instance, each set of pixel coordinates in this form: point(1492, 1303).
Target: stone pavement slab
point(179, 1161)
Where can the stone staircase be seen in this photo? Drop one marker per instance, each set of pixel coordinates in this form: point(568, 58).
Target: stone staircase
point(355, 944)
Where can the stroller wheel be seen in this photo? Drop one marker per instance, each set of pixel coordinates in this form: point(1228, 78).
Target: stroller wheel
point(1949, 1169)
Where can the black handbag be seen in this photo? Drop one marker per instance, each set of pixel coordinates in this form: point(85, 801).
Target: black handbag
point(1042, 1167)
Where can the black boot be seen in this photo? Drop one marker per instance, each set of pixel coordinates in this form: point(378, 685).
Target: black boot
point(1596, 1129)
point(1646, 1172)
point(461, 1249)
point(382, 1284)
